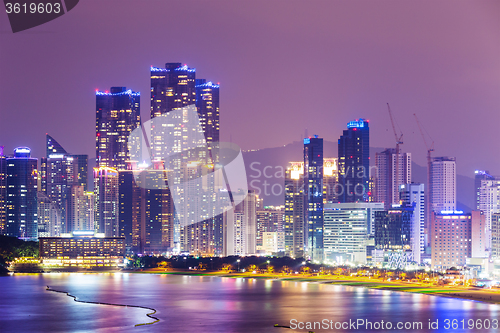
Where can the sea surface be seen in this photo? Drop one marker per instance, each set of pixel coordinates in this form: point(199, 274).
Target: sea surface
point(217, 304)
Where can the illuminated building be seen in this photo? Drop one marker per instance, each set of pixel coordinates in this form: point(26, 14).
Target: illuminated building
point(21, 203)
point(330, 180)
point(82, 250)
point(207, 104)
point(240, 227)
point(49, 217)
point(270, 219)
point(145, 214)
point(393, 228)
point(59, 171)
point(117, 115)
point(354, 162)
point(293, 226)
point(386, 184)
point(80, 209)
point(172, 88)
point(443, 185)
point(106, 201)
point(3, 191)
point(479, 176)
point(489, 200)
point(313, 197)
point(495, 237)
point(451, 239)
point(348, 227)
point(413, 195)
point(480, 235)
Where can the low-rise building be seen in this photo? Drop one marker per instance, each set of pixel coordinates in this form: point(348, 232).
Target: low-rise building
point(82, 250)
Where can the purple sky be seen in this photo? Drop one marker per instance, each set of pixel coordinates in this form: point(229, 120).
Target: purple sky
point(283, 66)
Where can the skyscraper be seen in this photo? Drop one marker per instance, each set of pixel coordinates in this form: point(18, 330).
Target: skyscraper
point(293, 226)
point(21, 203)
point(313, 197)
point(489, 201)
point(386, 184)
point(330, 180)
point(207, 104)
point(479, 176)
point(354, 162)
point(117, 115)
point(3, 191)
point(443, 184)
point(59, 172)
point(106, 201)
point(173, 88)
point(413, 195)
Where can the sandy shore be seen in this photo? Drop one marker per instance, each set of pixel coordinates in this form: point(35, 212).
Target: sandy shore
point(470, 293)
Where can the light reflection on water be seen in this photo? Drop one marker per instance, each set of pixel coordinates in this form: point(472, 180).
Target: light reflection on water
point(209, 304)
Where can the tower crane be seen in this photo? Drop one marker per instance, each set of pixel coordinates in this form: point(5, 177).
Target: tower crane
point(399, 141)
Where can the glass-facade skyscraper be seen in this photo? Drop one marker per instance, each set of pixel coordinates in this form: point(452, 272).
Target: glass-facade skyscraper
point(354, 162)
point(117, 115)
point(21, 203)
point(313, 197)
point(172, 88)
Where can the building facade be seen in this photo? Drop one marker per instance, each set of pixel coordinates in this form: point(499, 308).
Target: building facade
point(386, 183)
point(117, 115)
point(451, 239)
point(21, 202)
point(413, 195)
point(348, 227)
point(354, 162)
point(82, 250)
point(443, 184)
point(313, 198)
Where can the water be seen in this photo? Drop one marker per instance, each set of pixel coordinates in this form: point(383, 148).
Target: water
point(214, 304)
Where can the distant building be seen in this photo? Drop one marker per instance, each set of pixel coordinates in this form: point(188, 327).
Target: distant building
point(59, 172)
point(117, 115)
point(82, 250)
point(480, 235)
point(348, 227)
point(240, 227)
point(293, 226)
point(451, 239)
point(386, 184)
point(443, 184)
point(313, 198)
point(413, 195)
point(495, 236)
point(330, 180)
point(354, 162)
point(489, 201)
point(49, 217)
point(3, 191)
point(106, 201)
point(270, 219)
point(207, 105)
point(479, 176)
point(393, 228)
point(21, 203)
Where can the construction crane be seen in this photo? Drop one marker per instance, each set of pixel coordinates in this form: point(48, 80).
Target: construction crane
point(399, 141)
point(428, 191)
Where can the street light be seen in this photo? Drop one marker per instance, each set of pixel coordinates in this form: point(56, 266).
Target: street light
point(238, 264)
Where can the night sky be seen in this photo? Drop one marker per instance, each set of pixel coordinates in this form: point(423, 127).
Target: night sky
point(283, 67)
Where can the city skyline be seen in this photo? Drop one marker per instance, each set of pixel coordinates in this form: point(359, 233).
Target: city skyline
point(438, 76)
